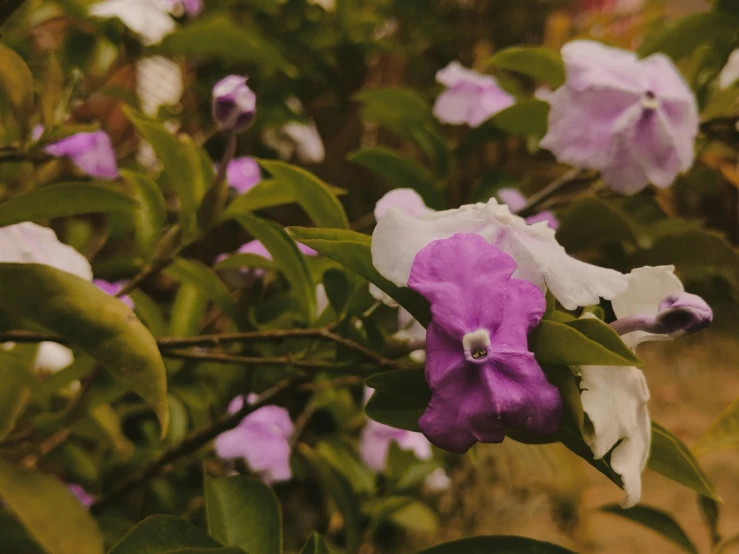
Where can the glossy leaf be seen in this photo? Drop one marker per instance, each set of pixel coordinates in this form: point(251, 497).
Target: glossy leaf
point(352, 250)
point(287, 256)
point(656, 520)
point(100, 324)
point(164, 534)
point(51, 514)
point(723, 433)
point(151, 214)
point(244, 512)
point(500, 544)
point(315, 544)
point(16, 82)
point(400, 398)
point(201, 276)
point(527, 117)
point(539, 63)
point(63, 200)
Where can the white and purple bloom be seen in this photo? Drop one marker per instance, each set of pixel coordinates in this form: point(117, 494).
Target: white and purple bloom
point(515, 200)
point(234, 104)
point(615, 399)
point(243, 173)
point(483, 378)
point(470, 97)
point(91, 152)
point(113, 289)
point(634, 120)
point(261, 440)
point(399, 236)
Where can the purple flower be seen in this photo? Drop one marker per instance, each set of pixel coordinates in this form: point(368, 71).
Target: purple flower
point(516, 200)
point(634, 120)
point(470, 98)
point(377, 437)
point(261, 439)
point(483, 378)
point(234, 104)
point(192, 7)
point(243, 173)
point(85, 498)
point(113, 289)
point(90, 152)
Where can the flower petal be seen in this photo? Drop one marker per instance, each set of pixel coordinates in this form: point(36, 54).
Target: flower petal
point(405, 199)
point(730, 72)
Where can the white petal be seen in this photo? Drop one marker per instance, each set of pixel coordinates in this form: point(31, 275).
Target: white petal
point(730, 72)
point(148, 18)
point(158, 83)
point(321, 299)
point(31, 243)
point(381, 296)
point(615, 400)
point(438, 481)
point(52, 357)
point(308, 143)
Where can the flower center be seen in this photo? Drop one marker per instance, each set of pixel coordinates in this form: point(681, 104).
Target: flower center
point(476, 345)
point(649, 101)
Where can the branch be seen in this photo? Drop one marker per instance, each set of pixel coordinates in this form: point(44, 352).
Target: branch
point(552, 188)
point(191, 443)
point(232, 359)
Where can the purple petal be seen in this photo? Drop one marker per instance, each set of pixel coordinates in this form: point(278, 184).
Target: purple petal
point(234, 104)
point(547, 216)
point(90, 152)
point(243, 173)
point(113, 289)
point(514, 198)
point(85, 498)
point(685, 313)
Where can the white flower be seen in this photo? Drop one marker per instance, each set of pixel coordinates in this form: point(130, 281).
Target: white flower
point(158, 83)
point(149, 19)
point(399, 236)
point(327, 5)
point(730, 73)
point(52, 358)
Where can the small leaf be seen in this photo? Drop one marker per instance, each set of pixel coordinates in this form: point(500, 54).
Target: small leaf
point(497, 544)
point(527, 117)
point(151, 214)
point(315, 544)
point(100, 324)
point(50, 512)
point(723, 433)
point(200, 275)
point(16, 82)
point(164, 534)
point(681, 37)
point(656, 520)
point(352, 250)
point(52, 91)
point(287, 256)
point(539, 63)
point(711, 511)
point(399, 172)
point(400, 398)
point(244, 512)
point(671, 458)
point(63, 200)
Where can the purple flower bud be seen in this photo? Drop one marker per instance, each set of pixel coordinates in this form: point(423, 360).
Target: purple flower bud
point(91, 152)
point(234, 104)
point(243, 173)
point(113, 289)
point(682, 314)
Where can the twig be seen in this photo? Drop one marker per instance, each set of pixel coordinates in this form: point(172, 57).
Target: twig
point(30, 336)
point(45, 446)
point(154, 267)
point(215, 199)
point(301, 423)
point(232, 359)
point(536, 199)
point(191, 443)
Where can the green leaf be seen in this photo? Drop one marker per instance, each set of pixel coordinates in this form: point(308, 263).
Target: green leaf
point(177, 162)
point(244, 512)
point(399, 172)
point(220, 37)
point(681, 37)
point(691, 248)
point(539, 63)
point(671, 458)
point(344, 460)
point(416, 516)
point(400, 398)
point(265, 194)
point(315, 544)
point(16, 82)
point(526, 117)
point(314, 196)
point(149, 313)
point(63, 200)
point(100, 324)
point(49, 511)
point(151, 214)
point(14, 538)
point(711, 512)
point(352, 250)
point(287, 256)
point(52, 92)
point(723, 433)
point(500, 544)
point(240, 261)
point(201, 276)
point(14, 393)
point(590, 223)
point(656, 520)
point(164, 534)
point(580, 342)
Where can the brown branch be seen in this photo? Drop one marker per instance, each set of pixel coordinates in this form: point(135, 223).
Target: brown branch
point(233, 359)
point(45, 446)
point(552, 188)
point(191, 443)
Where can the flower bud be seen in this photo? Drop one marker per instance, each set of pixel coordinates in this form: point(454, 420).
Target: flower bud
point(682, 314)
point(234, 104)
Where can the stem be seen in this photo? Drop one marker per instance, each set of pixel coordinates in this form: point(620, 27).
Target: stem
point(215, 199)
point(232, 359)
point(553, 187)
point(167, 248)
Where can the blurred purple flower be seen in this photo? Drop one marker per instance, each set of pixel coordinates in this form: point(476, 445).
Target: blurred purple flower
point(234, 104)
point(243, 173)
point(515, 200)
point(192, 7)
point(113, 289)
point(483, 378)
point(470, 98)
point(407, 200)
point(261, 439)
point(257, 248)
point(634, 120)
point(377, 437)
point(90, 152)
point(82, 495)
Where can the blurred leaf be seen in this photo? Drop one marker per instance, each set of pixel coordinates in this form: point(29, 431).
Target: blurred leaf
point(179, 422)
point(571, 437)
point(53, 516)
point(220, 37)
point(399, 172)
point(345, 461)
point(416, 516)
point(287, 256)
point(400, 398)
point(671, 458)
point(63, 200)
point(316, 544)
point(590, 223)
point(52, 91)
point(17, 83)
point(242, 261)
point(187, 310)
point(264, 194)
point(498, 544)
point(711, 512)
point(681, 37)
point(14, 393)
point(244, 512)
point(164, 534)
point(100, 324)
point(337, 289)
point(151, 214)
point(352, 250)
point(313, 195)
point(656, 520)
point(539, 63)
point(580, 342)
point(14, 538)
point(149, 313)
point(199, 275)
point(727, 6)
point(723, 433)
point(176, 160)
point(690, 248)
point(526, 117)
point(107, 420)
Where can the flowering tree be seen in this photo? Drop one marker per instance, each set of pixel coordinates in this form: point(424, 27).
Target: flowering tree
point(263, 289)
